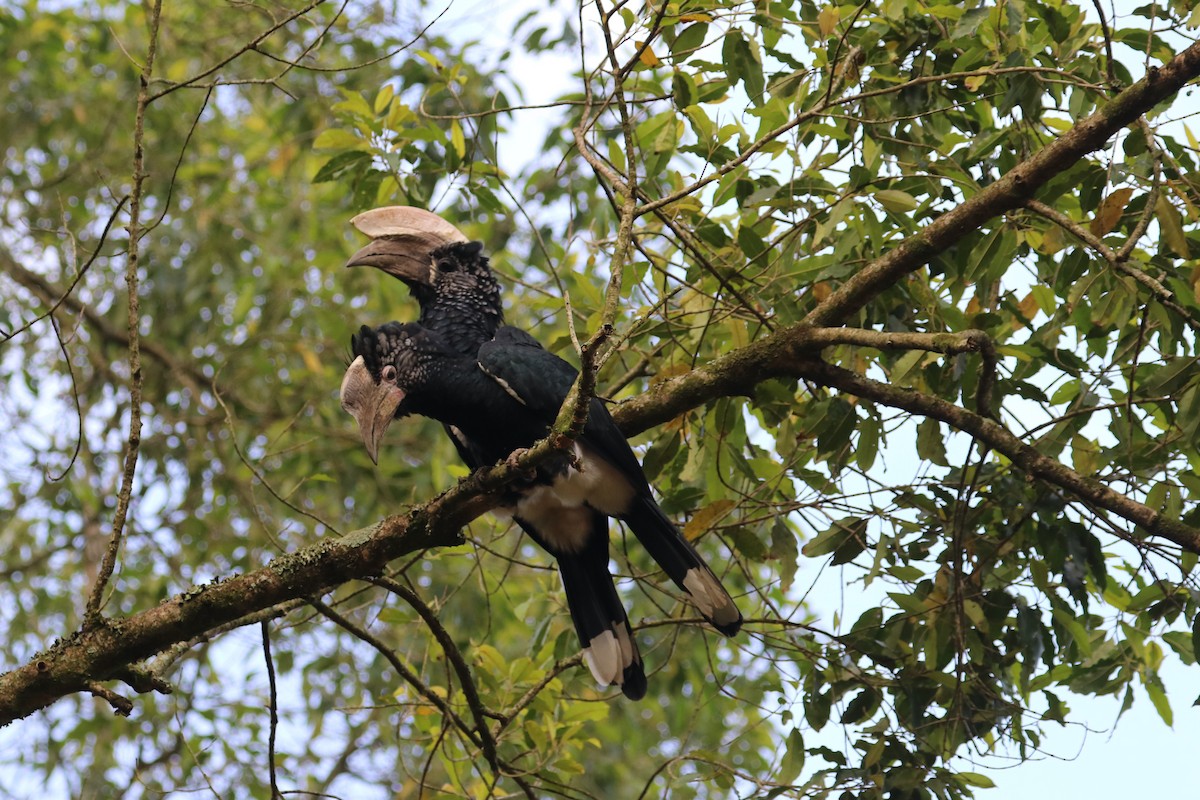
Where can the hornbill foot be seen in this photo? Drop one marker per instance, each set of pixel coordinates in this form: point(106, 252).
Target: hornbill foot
point(514, 457)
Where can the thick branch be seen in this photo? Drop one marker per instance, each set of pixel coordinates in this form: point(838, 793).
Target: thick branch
point(101, 652)
point(75, 664)
point(107, 650)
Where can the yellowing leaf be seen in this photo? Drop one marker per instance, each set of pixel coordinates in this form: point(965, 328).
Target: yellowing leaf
point(974, 82)
point(828, 19)
point(338, 139)
point(383, 98)
point(976, 779)
point(1085, 456)
point(696, 18)
point(705, 517)
point(1053, 241)
point(430, 59)
point(1188, 132)
point(456, 138)
point(398, 115)
point(1028, 308)
point(284, 156)
point(739, 334)
point(1110, 211)
point(311, 362)
point(647, 57)
point(354, 104)
point(1060, 125)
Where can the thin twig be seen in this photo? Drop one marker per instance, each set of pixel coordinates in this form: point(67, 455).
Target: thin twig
point(92, 613)
point(120, 704)
point(500, 769)
point(1161, 293)
point(266, 642)
point(62, 298)
point(250, 45)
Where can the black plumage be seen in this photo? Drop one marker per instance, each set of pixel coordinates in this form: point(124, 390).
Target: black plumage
point(497, 390)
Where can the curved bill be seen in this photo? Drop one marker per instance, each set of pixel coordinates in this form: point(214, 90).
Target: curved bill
point(372, 403)
point(403, 239)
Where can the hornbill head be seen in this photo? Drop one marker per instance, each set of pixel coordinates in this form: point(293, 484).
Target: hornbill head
point(390, 364)
point(449, 276)
point(403, 241)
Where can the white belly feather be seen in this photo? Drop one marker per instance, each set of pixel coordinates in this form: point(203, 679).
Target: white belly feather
point(561, 512)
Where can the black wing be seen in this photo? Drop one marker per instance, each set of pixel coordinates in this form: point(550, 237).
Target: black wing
point(540, 381)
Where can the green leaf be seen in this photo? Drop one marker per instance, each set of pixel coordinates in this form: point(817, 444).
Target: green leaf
point(343, 162)
point(896, 201)
point(748, 544)
point(969, 23)
point(355, 105)
point(1158, 698)
point(792, 763)
point(742, 64)
point(785, 549)
point(683, 90)
point(689, 40)
point(338, 139)
point(931, 445)
point(844, 540)
point(977, 780)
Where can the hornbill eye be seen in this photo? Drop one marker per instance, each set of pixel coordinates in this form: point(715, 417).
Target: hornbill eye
point(389, 373)
point(447, 265)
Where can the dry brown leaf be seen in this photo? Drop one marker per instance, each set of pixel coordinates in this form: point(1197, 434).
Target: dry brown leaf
point(1110, 211)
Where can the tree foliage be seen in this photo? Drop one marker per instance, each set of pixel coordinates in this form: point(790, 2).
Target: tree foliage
point(905, 311)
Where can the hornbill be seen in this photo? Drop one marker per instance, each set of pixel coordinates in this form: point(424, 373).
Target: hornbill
point(498, 393)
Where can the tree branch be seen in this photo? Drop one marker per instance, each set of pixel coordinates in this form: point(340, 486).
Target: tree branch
point(91, 615)
point(1118, 261)
point(1000, 439)
point(1010, 192)
point(51, 295)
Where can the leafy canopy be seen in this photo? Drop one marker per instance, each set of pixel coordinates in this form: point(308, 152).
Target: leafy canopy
point(908, 350)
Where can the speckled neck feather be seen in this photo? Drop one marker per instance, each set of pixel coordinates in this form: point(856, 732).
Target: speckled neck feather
point(463, 304)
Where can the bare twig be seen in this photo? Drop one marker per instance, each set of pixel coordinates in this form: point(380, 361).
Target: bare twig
point(95, 600)
point(247, 47)
point(13, 268)
point(274, 706)
point(122, 705)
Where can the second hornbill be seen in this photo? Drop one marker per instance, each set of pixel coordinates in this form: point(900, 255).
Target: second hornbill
point(497, 391)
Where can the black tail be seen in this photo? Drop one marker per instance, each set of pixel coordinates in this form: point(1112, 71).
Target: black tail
point(683, 564)
point(609, 648)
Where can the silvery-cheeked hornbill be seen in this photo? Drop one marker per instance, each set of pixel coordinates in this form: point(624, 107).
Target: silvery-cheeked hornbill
point(497, 390)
